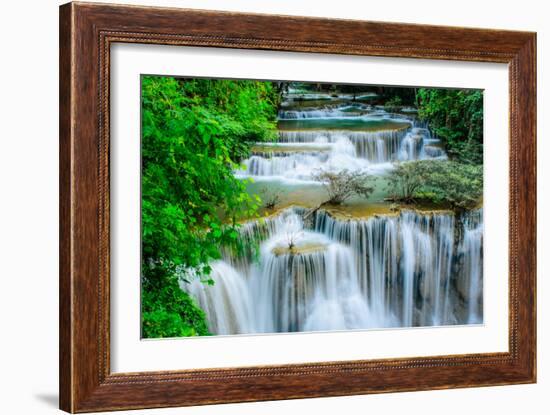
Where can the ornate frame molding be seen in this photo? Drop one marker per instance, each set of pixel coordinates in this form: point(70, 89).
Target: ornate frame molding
point(86, 33)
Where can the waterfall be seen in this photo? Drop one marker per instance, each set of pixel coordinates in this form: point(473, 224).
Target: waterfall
point(227, 303)
point(402, 270)
point(299, 291)
point(434, 152)
point(411, 147)
point(403, 261)
point(472, 271)
point(375, 146)
point(298, 165)
point(418, 144)
point(407, 269)
point(308, 151)
point(342, 111)
point(303, 165)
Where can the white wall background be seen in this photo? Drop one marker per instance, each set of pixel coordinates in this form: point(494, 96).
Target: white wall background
point(29, 205)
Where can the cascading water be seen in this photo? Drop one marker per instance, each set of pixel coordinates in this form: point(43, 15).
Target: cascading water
point(309, 269)
point(326, 112)
point(471, 249)
point(299, 289)
point(375, 146)
point(309, 150)
point(389, 271)
point(302, 165)
point(227, 303)
point(405, 263)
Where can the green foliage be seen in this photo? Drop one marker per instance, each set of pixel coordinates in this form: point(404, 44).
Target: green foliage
point(195, 132)
point(393, 103)
point(450, 183)
point(353, 90)
point(455, 116)
point(343, 184)
point(167, 311)
point(406, 96)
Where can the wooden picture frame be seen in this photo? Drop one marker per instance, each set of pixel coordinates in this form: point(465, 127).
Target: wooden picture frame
point(86, 33)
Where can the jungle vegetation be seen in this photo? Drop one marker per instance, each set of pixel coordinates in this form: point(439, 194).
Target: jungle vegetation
point(195, 132)
point(456, 117)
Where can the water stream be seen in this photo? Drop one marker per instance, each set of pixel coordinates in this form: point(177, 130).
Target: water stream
point(321, 271)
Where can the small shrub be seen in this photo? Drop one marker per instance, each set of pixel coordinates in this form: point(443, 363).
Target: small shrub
point(270, 200)
point(458, 185)
point(393, 103)
point(342, 185)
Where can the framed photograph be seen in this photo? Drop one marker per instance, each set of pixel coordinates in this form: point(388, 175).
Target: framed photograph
point(252, 208)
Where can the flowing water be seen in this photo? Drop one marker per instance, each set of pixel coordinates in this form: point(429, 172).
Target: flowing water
point(325, 273)
point(310, 270)
point(334, 138)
